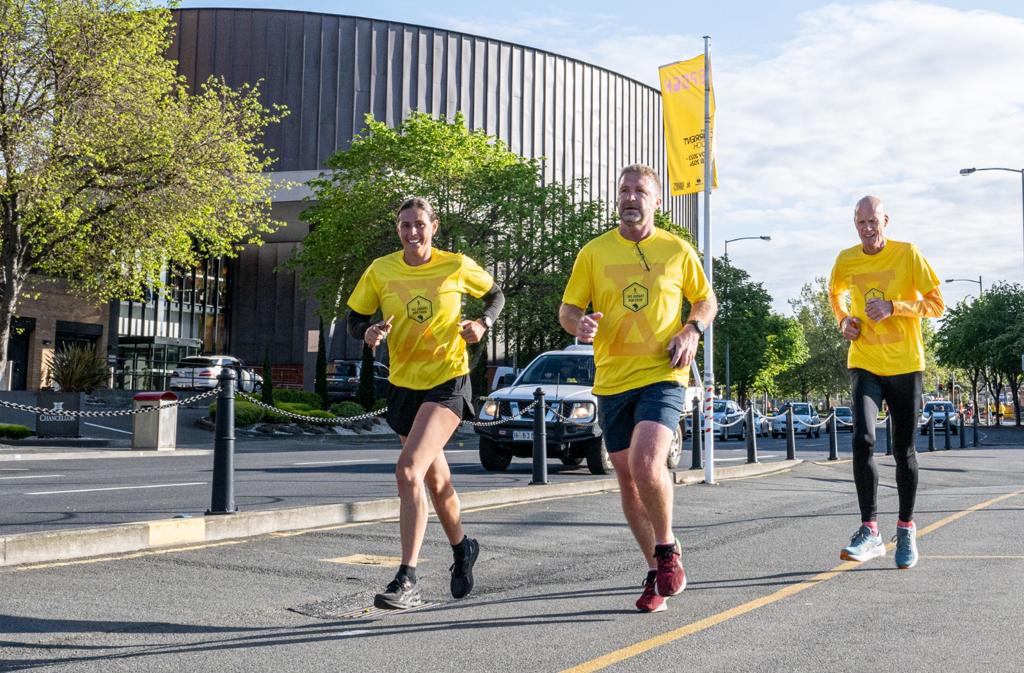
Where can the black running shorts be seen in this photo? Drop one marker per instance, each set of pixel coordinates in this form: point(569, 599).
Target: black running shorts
point(403, 403)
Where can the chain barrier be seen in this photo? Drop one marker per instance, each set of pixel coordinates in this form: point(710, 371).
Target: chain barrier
point(514, 417)
point(109, 414)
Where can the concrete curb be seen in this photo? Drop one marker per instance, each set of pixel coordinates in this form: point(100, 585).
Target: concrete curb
point(65, 545)
point(98, 453)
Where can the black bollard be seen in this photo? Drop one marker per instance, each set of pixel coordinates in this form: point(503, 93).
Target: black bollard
point(790, 435)
point(945, 429)
point(223, 501)
point(698, 437)
point(974, 436)
point(833, 437)
point(931, 432)
point(540, 439)
point(751, 437)
point(961, 432)
point(888, 434)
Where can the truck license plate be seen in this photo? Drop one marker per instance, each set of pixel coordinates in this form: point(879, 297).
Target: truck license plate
point(522, 435)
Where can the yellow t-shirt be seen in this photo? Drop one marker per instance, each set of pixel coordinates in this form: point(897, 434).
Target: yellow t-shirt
point(898, 272)
point(424, 345)
point(641, 297)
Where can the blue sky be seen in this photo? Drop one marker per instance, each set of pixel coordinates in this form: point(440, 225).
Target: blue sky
point(818, 104)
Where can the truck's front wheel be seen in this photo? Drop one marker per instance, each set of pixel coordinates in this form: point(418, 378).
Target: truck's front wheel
point(492, 458)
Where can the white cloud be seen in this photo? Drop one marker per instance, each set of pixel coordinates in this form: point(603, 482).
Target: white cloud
point(890, 98)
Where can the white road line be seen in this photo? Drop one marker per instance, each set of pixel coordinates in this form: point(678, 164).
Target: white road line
point(338, 462)
point(103, 427)
point(35, 476)
point(14, 469)
point(463, 451)
point(118, 488)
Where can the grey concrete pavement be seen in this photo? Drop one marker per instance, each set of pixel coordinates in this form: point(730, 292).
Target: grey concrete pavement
point(556, 583)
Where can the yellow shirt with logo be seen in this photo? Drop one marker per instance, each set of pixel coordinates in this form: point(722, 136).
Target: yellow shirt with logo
point(424, 345)
point(898, 273)
point(639, 287)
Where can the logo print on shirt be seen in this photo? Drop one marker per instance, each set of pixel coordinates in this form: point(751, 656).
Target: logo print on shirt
point(635, 297)
point(634, 334)
point(873, 285)
point(420, 309)
point(420, 344)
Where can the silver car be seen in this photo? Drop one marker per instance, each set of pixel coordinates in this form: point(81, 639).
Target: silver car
point(200, 372)
point(804, 417)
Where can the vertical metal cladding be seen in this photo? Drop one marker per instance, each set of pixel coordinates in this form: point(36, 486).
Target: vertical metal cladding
point(584, 121)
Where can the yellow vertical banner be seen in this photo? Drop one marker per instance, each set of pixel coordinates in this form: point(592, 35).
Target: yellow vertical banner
point(682, 103)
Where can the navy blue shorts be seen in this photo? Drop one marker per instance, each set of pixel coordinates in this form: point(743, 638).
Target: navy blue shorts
point(619, 414)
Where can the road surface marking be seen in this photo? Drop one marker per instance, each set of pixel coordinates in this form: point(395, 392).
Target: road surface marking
point(338, 462)
point(972, 558)
point(34, 476)
point(368, 560)
point(103, 427)
point(636, 649)
point(118, 488)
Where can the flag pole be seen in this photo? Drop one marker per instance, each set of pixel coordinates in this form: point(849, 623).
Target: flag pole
point(709, 349)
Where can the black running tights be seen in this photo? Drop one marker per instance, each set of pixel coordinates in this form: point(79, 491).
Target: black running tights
point(902, 393)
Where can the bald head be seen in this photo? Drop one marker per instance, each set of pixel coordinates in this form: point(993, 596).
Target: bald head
point(870, 219)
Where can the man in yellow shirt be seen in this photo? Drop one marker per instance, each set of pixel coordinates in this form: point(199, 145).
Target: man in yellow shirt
point(636, 277)
point(879, 290)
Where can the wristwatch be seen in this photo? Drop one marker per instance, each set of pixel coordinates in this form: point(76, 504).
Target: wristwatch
point(486, 321)
point(697, 325)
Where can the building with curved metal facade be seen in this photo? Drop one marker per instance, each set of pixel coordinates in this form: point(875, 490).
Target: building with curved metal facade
point(330, 71)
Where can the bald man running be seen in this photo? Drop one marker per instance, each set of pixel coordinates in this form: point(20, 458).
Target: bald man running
point(879, 290)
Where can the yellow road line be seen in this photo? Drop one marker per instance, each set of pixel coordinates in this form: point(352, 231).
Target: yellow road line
point(972, 558)
point(636, 649)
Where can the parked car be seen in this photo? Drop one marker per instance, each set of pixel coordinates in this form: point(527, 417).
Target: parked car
point(802, 411)
point(761, 422)
point(566, 376)
point(944, 412)
point(724, 412)
point(200, 372)
point(343, 380)
point(844, 420)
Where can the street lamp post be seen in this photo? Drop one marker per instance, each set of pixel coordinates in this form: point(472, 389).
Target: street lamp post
point(968, 171)
point(728, 344)
point(981, 288)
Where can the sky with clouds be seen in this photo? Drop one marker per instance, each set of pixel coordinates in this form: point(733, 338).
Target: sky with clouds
point(818, 104)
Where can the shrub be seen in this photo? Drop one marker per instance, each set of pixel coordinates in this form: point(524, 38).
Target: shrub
point(379, 404)
point(311, 400)
point(246, 413)
point(296, 407)
point(347, 409)
point(14, 431)
point(78, 369)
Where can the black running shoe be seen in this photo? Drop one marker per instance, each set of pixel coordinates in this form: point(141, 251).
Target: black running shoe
point(462, 569)
point(400, 595)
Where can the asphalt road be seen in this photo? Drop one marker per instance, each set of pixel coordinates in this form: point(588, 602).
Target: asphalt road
point(556, 582)
point(269, 473)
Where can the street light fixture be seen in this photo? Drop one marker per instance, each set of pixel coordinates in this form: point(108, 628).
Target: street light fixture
point(968, 171)
point(728, 345)
point(743, 238)
point(981, 288)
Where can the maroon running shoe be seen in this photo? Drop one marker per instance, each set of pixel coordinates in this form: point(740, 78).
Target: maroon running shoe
point(671, 576)
point(649, 600)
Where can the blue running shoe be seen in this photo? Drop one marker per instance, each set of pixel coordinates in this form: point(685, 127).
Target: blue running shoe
point(864, 546)
point(906, 547)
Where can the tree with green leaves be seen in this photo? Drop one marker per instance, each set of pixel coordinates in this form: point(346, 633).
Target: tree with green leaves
point(824, 372)
point(956, 344)
point(785, 350)
point(744, 311)
point(111, 169)
point(493, 205)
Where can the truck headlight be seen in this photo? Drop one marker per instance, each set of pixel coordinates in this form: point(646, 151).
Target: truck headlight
point(489, 410)
point(583, 411)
